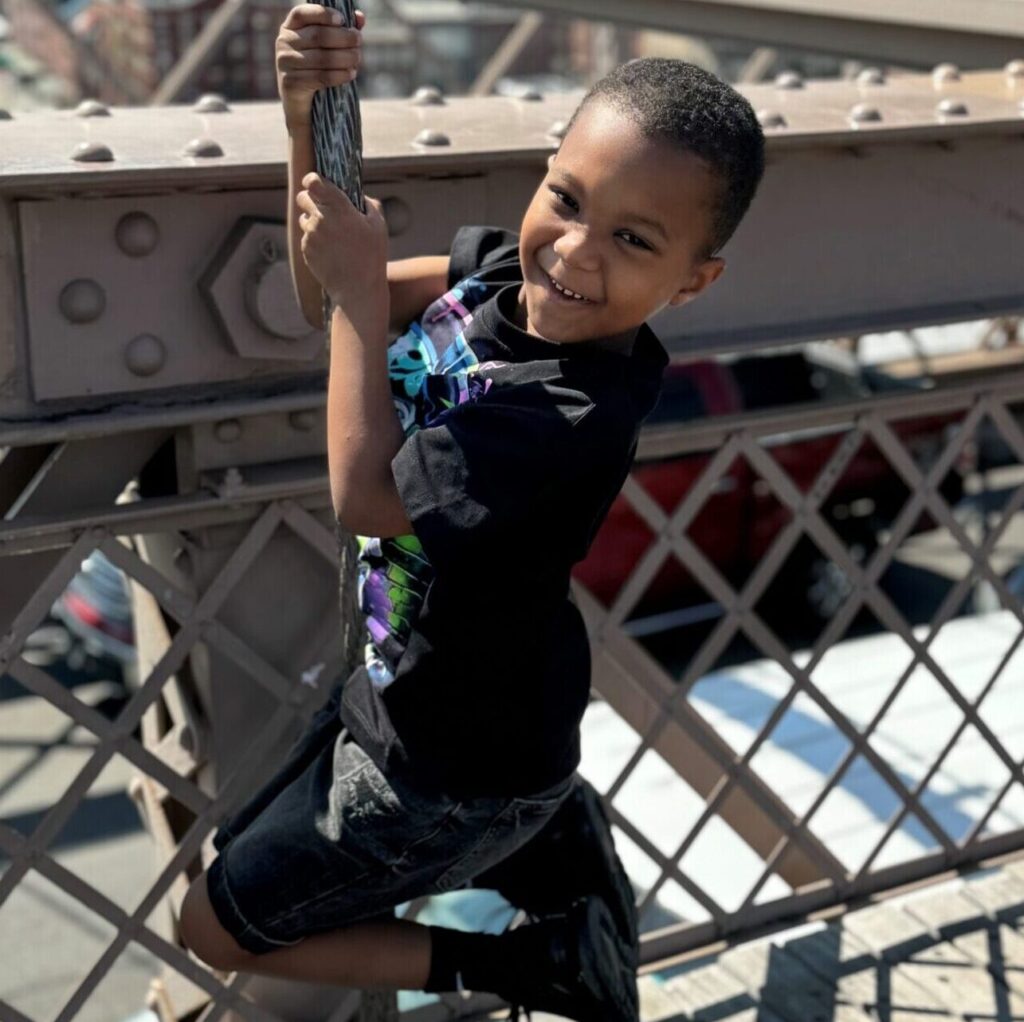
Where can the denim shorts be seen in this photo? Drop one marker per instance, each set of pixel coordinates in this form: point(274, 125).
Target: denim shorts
point(330, 840)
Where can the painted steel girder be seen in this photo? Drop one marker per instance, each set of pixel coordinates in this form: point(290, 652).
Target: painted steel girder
point(914, 33)
point(863, 224)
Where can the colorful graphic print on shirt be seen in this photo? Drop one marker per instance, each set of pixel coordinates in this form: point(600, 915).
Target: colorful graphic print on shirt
point(432, 370)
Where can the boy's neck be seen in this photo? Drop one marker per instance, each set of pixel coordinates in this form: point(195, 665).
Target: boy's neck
point(621, 344)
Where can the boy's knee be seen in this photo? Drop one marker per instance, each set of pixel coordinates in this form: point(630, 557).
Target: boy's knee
point(202, 932)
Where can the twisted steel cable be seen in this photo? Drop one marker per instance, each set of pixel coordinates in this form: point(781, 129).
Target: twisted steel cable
point(338, 145)
point(338, 134)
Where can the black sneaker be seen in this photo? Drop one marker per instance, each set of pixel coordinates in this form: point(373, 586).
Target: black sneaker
point(572, 856)
point(574, 965)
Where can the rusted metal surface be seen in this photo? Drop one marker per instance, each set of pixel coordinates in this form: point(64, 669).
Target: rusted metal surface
point(979, 33)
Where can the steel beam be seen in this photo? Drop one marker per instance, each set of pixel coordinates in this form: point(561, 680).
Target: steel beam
point(884, 206)
point(201, 51)
point(974, 33)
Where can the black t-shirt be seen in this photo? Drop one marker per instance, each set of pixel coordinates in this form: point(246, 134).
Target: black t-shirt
point(477, 663)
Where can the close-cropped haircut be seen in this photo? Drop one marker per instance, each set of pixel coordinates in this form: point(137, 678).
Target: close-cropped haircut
point(689, 107)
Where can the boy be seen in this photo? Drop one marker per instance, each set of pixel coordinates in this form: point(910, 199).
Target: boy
point(476, 456)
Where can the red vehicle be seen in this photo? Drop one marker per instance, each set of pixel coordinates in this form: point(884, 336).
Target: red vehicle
point(742, 517)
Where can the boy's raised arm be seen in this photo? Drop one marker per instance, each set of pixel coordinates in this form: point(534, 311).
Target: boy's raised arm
point(413, 284)
point(313, 50)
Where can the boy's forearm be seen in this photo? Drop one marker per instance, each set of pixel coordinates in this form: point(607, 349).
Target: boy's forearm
point(363, 431)
point(301, 160)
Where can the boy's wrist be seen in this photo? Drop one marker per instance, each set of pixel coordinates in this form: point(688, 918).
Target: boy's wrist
point(299, 123)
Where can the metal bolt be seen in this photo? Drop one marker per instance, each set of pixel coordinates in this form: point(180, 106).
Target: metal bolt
point(203, 147)
point(427, 95)
point(136, 234)
point(92, 108)
point(951, 108)
point(943, 73)
point(770, 119)
point(431, 138)
point(864, 113)
point(269, 250)
point(92, 152)
point(789, 80)
point(1015, 69)
point(5, 115)
point(82, 301)
point(145, 355)
point(871, 76)
point(303, 420)
point(530, 96)
point(397, 215)
point(211, 103)
point(227, 431)
point(558, 129)
point(232, 480)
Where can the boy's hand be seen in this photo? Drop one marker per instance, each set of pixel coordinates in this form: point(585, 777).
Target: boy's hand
point(347, 251)
point(314, 50)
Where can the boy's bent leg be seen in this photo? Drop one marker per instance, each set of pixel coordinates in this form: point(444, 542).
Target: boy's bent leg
point(389, 953)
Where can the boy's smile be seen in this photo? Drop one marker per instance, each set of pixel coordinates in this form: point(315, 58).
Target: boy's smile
point(617, 231)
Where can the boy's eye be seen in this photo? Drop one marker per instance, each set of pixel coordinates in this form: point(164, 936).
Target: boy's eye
point(634, 239)
point(564, 199)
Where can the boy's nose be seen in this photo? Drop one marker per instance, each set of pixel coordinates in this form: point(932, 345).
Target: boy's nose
point(576, 248)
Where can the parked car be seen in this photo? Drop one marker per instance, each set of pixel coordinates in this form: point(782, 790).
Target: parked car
point(741, 518)
point(96, 609)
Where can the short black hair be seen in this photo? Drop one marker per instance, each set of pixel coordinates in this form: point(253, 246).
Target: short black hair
point(692, 108)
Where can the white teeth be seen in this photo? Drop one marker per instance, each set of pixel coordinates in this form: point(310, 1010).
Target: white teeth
point(566, 291)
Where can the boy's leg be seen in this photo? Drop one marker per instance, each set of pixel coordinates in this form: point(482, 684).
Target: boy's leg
point(572, 856)
point(573, 965)
point(383, 952)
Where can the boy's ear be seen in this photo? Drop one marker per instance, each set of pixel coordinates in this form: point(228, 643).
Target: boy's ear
point(702, 277)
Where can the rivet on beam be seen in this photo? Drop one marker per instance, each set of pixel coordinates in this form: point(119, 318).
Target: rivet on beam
point(1015, 69)
point(203, 148)
point(92, 108)
point(82, 301)
point(771, 119)
point(211, 103)
point(136, 234)
point(227, 431)
point(92, 152)
point(431, 138)
point(944, 73)
point(871, 76)
point(951, 108)
point(788, 80)
point(864, 113)
point(428, 95)
point(304, 419)
point(145, 355)
point(558, 129)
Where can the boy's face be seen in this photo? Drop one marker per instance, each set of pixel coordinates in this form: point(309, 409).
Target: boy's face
point(620, 219)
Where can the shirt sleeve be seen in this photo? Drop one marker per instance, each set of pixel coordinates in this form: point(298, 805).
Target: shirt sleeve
point(474, 248)
point(477, 481)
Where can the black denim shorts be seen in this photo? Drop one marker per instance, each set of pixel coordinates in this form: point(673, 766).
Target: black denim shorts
point(330, 840)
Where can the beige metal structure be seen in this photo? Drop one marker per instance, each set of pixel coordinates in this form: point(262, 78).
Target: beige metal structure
point(977, 33)
point(161, 401)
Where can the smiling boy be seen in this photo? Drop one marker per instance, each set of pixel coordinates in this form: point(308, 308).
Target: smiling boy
point(475, 457)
